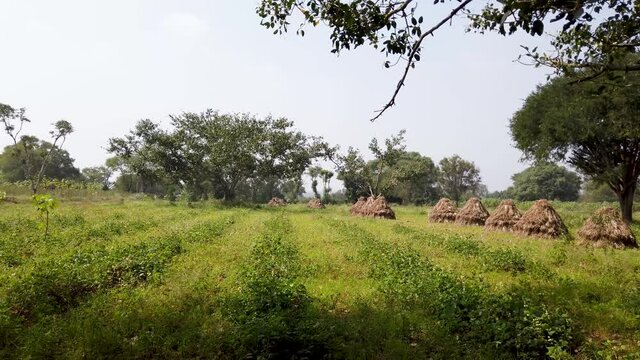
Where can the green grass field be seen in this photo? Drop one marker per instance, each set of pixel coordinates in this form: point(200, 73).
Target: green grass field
point(148, 279)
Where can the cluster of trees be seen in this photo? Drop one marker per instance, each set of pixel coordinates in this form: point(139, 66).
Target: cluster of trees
point(544, 180)
point(406, 177)
point(225, 156)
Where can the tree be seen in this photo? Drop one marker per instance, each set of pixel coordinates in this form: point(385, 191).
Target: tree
point(386, 156)
point(326, 176)
point(546, 181)
point(213, 153)
point(34, 167)
point(368, 178)
point(595, 35)
point(354, 173)
point(458, 176)
point(314, 173)
point(591, 125)
point(13, 158)
point(413, 179)
point(98, 175)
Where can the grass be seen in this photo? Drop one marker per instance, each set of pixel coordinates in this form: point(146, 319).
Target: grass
point(148, 279)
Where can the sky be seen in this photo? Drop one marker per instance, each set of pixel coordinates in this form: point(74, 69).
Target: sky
point(104, 65)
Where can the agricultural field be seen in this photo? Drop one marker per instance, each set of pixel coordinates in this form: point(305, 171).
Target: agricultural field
point(151, 279)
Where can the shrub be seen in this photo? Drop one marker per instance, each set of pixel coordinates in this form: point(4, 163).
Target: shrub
point(508, 260)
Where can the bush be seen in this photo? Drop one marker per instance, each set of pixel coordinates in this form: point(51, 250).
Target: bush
point(508, 260)
point(56, 285)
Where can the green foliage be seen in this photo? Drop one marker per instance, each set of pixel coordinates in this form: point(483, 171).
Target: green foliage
point(591, 125)
point(545, 181)
point(161, 280)
point(56, 285)
point(212, 153)
point(413, 179)
point(44, 204)
point(58, 166)
point(508, 260)
point(457, 177)
point(510, 323)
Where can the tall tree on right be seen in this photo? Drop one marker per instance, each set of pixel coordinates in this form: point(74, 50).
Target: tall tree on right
point(592, 125)
point(457, 177)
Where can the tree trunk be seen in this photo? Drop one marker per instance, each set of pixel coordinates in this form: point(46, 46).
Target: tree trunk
point(625, 198)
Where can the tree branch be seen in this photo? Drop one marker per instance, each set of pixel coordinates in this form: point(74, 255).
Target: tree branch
point(412, 53)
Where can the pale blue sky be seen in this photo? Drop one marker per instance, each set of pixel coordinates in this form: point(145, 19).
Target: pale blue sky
point(105, 64)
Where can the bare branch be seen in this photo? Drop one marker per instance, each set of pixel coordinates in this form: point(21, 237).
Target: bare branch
point(412, 53)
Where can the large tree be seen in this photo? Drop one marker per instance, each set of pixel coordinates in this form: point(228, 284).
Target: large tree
point(413, 179)
point(212, 152)
point(595, 35)
point(458, 177)
point(546, 181)
point(13, 158)
point(34, 161)
point(592, 125)
point(362, 178)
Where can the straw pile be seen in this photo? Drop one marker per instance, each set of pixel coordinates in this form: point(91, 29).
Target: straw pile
point(276, 201)
point(374, 206)
point(541, 220)
point(315, 203)
point(472, 213)
point(607, 229)
point(357, 207)
point(505, 216)
point(443, 212)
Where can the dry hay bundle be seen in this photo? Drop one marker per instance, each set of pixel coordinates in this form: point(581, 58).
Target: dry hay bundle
point(443, 212)
point(356, 208)
point(315, 204)
point(607, 229)
point(473, 213)
point(505, 216)
point(541, 220)
point(374, 206)
point(276, 201)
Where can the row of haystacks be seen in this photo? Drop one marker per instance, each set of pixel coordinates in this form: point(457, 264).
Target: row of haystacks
point(315, 203)
point(605, 228)
point(373, 206)
point(540, 220)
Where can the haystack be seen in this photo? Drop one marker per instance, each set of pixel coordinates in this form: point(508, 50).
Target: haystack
point(443, 212)
point(472, 213)
point(541, 220)
point(375, 207)
point(315, 203)
point(505, 216)
point(607, 229)
point(356, 208)
point(276, 201)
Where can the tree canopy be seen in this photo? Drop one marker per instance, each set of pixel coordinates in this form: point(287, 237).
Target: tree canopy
point(60, 164)
point(596, 35)
point(33, 156)
point(458, 177)
point(213, 153)
point(545, 181)
point(592, 125)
